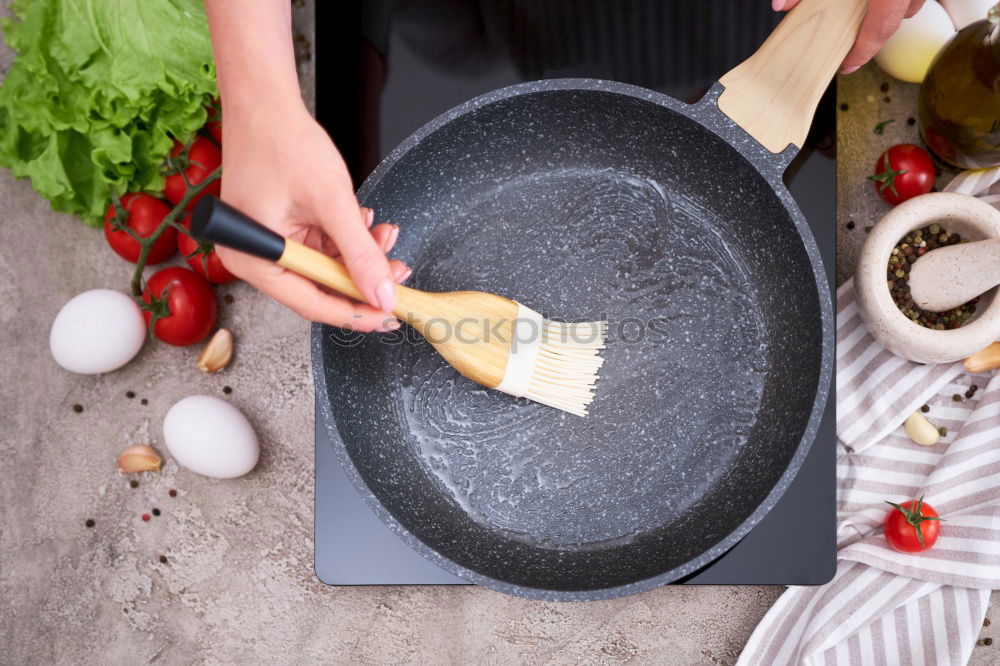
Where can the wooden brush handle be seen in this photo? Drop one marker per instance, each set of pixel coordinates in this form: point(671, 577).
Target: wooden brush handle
point(774, 94)
point(329, 272)
point(216, 221)
point(318, 267)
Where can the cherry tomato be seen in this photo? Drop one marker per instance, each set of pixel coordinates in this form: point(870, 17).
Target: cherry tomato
point(214, 124)
point(202, 257)
point(200, 160)
point(912, 526)
point(142, 214)
point(903, 172)
point(180, 306)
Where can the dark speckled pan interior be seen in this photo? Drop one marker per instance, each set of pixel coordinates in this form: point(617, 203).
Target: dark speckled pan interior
point(584, 200)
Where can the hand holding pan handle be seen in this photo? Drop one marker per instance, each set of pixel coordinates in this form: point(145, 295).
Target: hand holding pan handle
point(773, 94)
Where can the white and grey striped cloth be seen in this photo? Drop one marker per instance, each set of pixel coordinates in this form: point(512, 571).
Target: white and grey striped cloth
point(884, 607)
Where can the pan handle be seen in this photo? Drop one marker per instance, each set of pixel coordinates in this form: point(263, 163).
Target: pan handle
point(773, 95)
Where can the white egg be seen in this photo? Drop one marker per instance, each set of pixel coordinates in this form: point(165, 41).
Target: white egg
point(909, 52)
point(97, 331)
point(210, 437)
point(964, 12)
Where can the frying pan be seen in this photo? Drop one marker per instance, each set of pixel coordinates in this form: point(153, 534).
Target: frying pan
point(585, 200)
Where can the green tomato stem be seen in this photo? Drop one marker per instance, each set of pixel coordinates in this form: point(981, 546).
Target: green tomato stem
point(170, 220)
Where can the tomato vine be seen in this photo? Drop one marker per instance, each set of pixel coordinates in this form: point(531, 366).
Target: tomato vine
point(170, 220)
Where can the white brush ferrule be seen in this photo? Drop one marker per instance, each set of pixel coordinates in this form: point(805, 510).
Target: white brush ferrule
point(526, 341)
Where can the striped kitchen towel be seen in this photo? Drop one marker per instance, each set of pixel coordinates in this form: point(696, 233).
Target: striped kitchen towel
point(876, 390)
point(982, 183)
point(884, 607)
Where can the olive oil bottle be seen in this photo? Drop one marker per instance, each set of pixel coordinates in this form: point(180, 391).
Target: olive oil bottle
point(959, 103)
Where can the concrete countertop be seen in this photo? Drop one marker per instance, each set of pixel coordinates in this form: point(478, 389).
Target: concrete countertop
point(865, 99)
point(238, 585)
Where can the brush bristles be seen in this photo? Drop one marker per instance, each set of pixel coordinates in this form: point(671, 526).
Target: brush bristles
point(564, 374)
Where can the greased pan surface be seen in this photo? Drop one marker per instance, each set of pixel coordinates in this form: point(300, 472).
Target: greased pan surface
point(589, 199)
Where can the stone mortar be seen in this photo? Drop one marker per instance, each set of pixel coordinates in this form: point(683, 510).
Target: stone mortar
point(968, 216)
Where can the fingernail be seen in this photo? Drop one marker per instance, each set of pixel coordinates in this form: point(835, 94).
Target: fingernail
point(369, 217)
point(385, 294)
point(393, 237)
point(850, 70)
point(390, 325)
point(405, 276)
point(778, 5)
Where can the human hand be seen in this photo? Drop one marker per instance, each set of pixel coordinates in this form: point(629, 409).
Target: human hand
point(281, 168)
point(881, 20)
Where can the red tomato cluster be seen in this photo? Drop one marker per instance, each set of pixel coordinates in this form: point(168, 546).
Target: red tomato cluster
point(179, 303)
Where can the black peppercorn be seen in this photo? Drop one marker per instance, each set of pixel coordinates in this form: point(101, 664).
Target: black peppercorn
point(156, 512)
point(163, 559)
point(133, 483)
point(915, 244)
point(129, 394)
point(986, 622)
point(925, 409)
point(956, 398)
point(89, 522)
point(144, 401)
point(77, 408)
point(228, 298)
point(173, 493)
point(884, 87)
point(850, 224)
point(227, 390)
point(987, 641)
point(844, 107)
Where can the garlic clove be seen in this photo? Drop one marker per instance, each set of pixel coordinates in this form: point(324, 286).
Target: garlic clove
point(139, 459)
point(920, 430)
point(217, 353)
point(986, 359)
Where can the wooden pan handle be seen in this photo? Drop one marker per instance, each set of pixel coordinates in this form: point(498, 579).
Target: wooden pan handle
point(773, 95)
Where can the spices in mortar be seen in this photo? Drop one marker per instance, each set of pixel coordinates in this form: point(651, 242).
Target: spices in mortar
point(914, 245)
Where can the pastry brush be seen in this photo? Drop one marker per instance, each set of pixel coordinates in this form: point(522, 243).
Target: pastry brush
point(492, 340)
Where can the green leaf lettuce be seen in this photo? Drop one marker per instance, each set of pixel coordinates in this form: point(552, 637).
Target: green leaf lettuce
point(97, 93)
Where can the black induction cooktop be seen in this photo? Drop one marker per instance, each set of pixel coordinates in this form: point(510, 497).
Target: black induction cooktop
point(386, 67)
